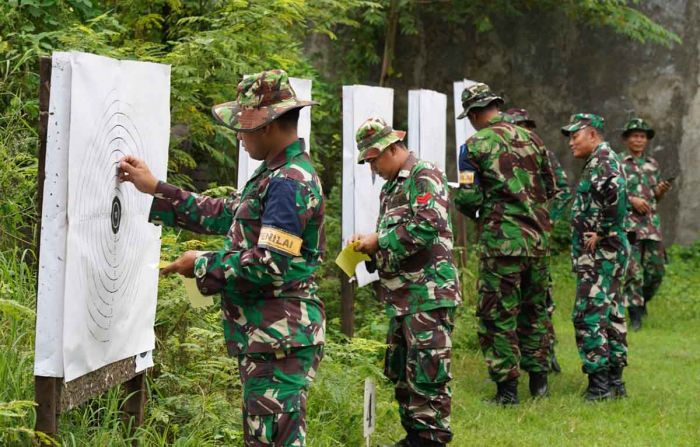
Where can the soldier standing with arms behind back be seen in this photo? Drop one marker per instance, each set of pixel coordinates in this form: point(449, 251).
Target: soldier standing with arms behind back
point(274, 322)
point(599, 251)
point(562, 198)
point(412, 252)
point(506, 182)
point(645, 188)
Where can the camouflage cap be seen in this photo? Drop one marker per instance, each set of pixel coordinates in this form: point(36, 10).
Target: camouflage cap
point(373, 136)
point(262, 98)
point(638, 124)
point(521, 117)
point(477, 95)
point(582, 120)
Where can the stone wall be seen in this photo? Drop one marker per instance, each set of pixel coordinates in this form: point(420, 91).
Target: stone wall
point(554, 67)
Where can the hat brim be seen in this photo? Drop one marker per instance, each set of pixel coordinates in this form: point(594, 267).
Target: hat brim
point(650, 132)
point(381, 144)
point(482, 103)
point(245, 119)
point(572, 128)
point(527, 123)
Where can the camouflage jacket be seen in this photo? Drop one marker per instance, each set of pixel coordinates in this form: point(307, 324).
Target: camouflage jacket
point(275, 242)
point(601, 207)
point(562, 194)
point(506, 177)
point(643, 176)
point(414, 260)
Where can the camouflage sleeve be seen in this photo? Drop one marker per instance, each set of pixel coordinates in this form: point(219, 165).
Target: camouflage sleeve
point(175, 207)
point(609, 190)
point(429, 218)
point(287, 207)
point(547, 174)
point(562, 192)
point(470, 195)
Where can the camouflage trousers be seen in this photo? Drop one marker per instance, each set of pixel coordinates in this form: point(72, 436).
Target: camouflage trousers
point(274, 395)
point(418, 361)
point(647, 265)
point(599, 318)
point(551, 307)
point(514, 324)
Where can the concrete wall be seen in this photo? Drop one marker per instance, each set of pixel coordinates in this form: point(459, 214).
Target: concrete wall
point(555, 67)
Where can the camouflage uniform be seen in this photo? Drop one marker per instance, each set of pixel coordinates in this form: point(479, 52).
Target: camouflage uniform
point(600, 207)
point(418, 285)
point(562, 199)
point(648, 257)
point(273, 319)
point(506, 180)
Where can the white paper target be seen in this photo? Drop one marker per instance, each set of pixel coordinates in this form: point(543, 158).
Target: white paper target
point(247, 165)
point(427, 125)
point(48, 352)
point(361, 187)
point(118, 108)
point(463, 128)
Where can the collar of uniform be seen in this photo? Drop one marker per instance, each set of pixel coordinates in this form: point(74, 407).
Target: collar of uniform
point(288, 153)
point(500, 118)
point(405, 170)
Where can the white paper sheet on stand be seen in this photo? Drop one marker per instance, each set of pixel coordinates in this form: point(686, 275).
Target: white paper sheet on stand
point(361, 188)
point(118, 108)
point(427, 125)
point(48, 352)
point(246, 165)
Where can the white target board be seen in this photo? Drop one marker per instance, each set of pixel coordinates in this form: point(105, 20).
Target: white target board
point(247, 165)
point(109, 260)
point(463, 128)
point(361, 187)
point(427, 125)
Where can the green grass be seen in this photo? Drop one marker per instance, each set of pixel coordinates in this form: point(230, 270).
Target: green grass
point(195, 392)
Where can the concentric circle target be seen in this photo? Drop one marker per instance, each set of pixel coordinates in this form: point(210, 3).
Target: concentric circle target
point(112, 244)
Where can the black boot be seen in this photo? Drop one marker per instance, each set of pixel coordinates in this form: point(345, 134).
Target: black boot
point(507, 393)
point(598, 386)
point(555, 364)
point(635, 317)
point(617, 385)
point(412, 439)
point(538, 384)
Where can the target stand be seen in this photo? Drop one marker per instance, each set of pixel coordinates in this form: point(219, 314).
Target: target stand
point(52, 394)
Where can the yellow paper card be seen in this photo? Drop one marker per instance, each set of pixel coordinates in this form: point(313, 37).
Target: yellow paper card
point(348, 259)
point(197, 300)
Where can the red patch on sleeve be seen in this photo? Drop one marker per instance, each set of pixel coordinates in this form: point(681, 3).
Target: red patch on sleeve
point(422, 200)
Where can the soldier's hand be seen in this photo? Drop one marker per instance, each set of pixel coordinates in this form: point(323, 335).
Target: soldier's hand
point(590, 241)
point(136, 171)
point(368, 244)
point(184, 265)
point(640, 205)
point(663, 188)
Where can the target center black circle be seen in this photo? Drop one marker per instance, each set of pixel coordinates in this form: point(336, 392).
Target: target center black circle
point(116, 215)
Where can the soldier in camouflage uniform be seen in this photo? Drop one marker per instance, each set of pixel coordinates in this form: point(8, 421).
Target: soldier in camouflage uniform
point(412, 251)
point(562, 198)
point(599, 252)
point(645, 188)
point(506, 182)
point(274, 322)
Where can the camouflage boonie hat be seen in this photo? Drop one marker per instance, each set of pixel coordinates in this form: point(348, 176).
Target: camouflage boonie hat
point(477, 95)
point(582, 120)
point(521, 117)
point(373, 136)
point(638, 124)
point(262, 98)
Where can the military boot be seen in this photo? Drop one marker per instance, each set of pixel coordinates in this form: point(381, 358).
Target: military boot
point(598, 386)
point(538, 384)
point(412, 439)
point(507, 393)
point(617, 385)
point(635, 318)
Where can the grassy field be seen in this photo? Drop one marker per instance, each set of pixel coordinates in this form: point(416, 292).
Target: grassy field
point(194, 389)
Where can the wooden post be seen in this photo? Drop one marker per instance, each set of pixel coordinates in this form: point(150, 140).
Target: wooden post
point(135, 403)
point(47, 394)
point(347, 296)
